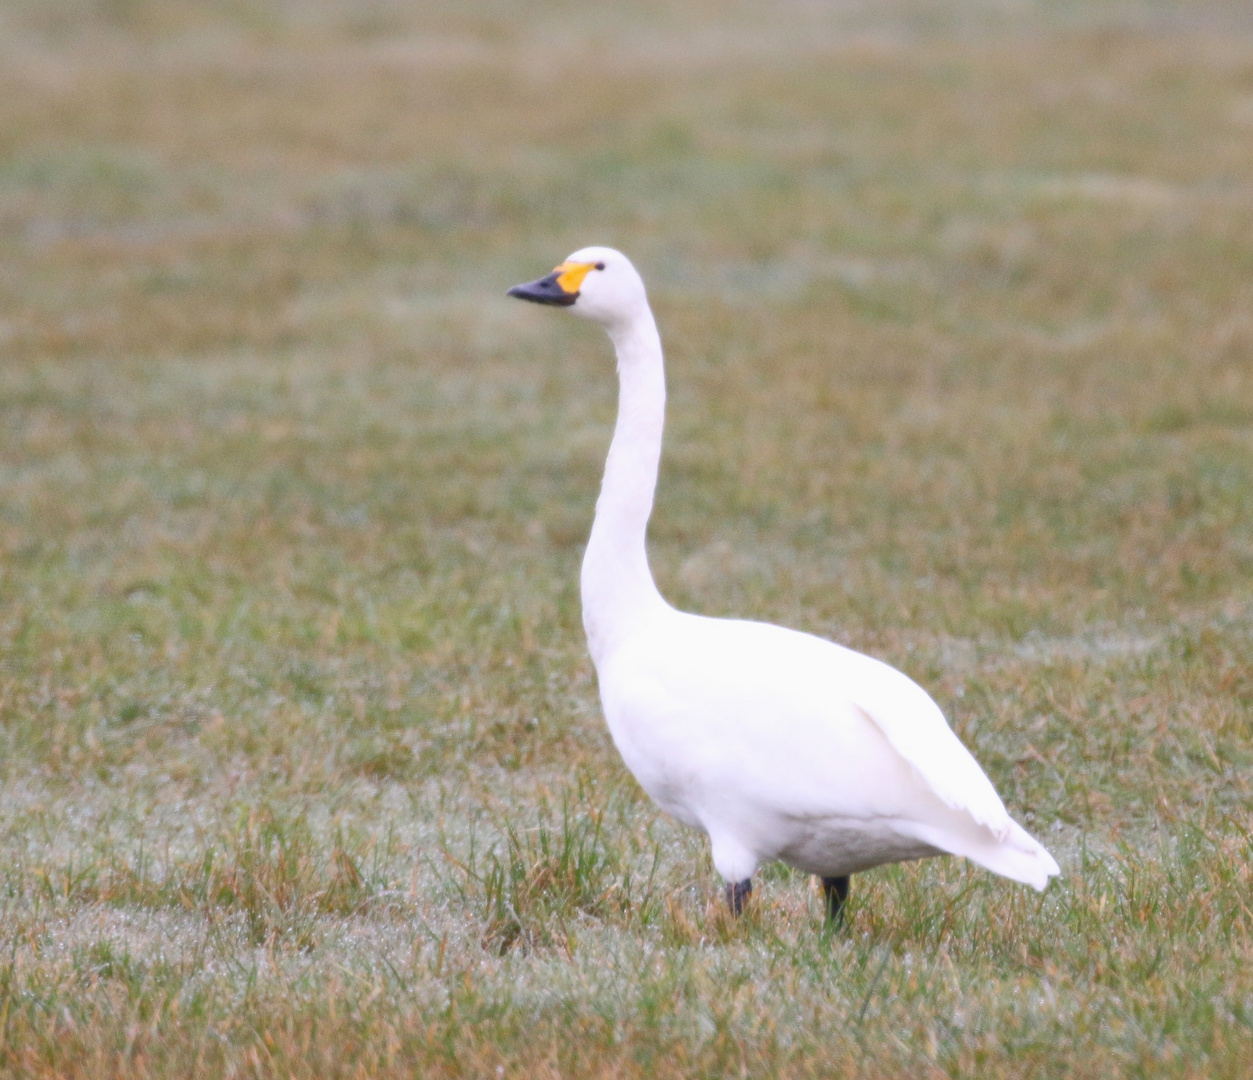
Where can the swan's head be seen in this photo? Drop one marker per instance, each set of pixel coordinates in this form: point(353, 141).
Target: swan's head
point(596, 282)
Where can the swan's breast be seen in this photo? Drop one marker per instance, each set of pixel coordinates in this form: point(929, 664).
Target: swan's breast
point(655, 745)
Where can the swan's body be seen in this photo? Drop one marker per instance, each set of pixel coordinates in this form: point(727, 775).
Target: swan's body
point(776, 743)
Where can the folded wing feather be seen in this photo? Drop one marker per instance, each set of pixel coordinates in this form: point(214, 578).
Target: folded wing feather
point(916, 729)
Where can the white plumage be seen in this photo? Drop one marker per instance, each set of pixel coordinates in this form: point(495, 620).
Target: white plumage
point(776, 743)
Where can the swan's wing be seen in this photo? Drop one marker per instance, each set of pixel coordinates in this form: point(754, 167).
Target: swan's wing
point(914, 726)
point(724, 677)
point(916, 729)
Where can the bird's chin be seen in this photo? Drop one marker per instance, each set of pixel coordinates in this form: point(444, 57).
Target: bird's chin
point(589, 312)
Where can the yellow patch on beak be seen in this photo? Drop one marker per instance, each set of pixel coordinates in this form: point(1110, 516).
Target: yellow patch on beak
point(570, 275)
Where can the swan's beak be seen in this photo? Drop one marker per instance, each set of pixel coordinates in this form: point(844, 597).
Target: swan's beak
point(560, 287)
point(544, 291)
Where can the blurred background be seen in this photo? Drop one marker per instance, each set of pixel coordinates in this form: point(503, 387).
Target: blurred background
point(958, 306)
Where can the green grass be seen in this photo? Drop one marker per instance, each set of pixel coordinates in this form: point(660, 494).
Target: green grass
point(302, 764)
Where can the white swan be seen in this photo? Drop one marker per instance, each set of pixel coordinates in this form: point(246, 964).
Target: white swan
point(776, 743)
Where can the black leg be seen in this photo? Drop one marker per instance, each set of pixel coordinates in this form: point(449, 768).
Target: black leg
point(835, 892)
point(737, 893)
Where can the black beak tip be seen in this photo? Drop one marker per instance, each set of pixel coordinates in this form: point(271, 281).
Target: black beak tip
point(544, 291)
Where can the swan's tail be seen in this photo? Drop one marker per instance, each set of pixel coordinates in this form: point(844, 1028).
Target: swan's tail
point(1017, 855)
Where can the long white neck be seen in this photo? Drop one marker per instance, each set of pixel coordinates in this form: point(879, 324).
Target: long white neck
point(617, 585)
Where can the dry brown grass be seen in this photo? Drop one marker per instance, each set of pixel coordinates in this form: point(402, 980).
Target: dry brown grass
point(302, 763)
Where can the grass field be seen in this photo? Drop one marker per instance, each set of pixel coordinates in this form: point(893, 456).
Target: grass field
point(302, 764)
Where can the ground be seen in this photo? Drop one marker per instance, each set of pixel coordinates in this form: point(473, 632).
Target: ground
point(302, 765)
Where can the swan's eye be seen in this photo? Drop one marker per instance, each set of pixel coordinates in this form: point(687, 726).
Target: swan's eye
point(600, 266)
